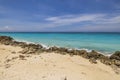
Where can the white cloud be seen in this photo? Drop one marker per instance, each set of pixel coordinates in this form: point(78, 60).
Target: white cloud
point(94, 22)
point(98, 28)
point(74, 18)
point(6, 28)
point(52, 18)
point(110, 20)
point(91, 18)
point(115, 19)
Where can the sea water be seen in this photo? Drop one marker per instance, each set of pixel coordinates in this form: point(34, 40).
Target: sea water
point(106, 43)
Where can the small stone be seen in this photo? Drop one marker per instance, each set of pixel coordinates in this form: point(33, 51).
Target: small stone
point(22, 57)
point(65, 78)
point(93, 61)
point(13, 52)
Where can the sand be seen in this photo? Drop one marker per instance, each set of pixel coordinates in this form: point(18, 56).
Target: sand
point(50, 66)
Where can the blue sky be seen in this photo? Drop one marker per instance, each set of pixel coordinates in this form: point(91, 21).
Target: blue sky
point(60, 15)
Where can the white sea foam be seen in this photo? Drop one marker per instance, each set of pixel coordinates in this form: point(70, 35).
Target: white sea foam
point(28, 42)
point(88, 50)
point(47, 47)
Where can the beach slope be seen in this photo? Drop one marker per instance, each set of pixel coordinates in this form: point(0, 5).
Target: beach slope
point(50, 66)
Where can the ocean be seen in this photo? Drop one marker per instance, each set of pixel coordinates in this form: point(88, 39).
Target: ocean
point(106, 43)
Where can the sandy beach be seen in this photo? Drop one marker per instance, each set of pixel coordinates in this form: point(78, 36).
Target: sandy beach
point(59, 39)
point(50, 66)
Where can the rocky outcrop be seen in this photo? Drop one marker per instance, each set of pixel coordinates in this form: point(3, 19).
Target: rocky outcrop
point(93, 60)
point(116, 55)
point(93, 56)
point(5, 40)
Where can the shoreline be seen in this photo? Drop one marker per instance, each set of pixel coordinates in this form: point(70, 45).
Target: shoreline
point(30, 48)
point(22, 61)
point(85, 41)
point(50, 66)
point(48, 46)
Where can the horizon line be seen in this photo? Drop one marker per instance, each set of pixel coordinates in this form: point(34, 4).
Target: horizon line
point(53, 32)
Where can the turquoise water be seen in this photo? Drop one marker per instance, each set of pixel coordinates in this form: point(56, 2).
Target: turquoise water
point(103, 42)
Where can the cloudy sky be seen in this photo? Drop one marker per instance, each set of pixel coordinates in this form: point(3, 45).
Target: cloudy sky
point(60, 15)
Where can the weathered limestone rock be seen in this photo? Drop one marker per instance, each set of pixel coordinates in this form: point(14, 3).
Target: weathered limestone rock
point(5, 40)
point(95, 54)
point(116, 55)
point(83, 53)
point(93, 60)
point(114, 59)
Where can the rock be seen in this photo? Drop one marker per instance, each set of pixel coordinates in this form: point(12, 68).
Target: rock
point(64, 53)
point(116, 62)
point(106, 60)
point(24, 51)
point(93, 60)
point(95, 54)
point(62, 49)
point(21, 44)
point(116, 55)
point(15, 43)
point(14, 58)
point(65, 78)
point(13, 52)
point(74, 52)
point(40, 51)
point(54, 48)
point(8, 60)
point(70, 52)
point(34, 46)
point(5, 40)
point(22, 57)
point(114, 59)
point(83, 53)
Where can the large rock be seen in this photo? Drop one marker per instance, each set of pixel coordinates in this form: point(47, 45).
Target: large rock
point(115, 62)
point(61, 49)
point(54, 48)
point(35, 46)
point(16, 43)
point(106, 61)
point(30, 48)
point(95, 54)
point(83, 53)
point(116, 55)
point(93, 61)
point(5, 40)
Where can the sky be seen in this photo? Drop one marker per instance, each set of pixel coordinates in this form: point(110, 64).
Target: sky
point(60, 15)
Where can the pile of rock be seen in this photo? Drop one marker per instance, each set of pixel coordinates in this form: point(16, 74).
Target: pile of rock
point(5, 40)
point(114, 59)
point(31, 48)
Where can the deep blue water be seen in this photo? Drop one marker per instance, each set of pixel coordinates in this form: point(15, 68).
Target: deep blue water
point(103, 42)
